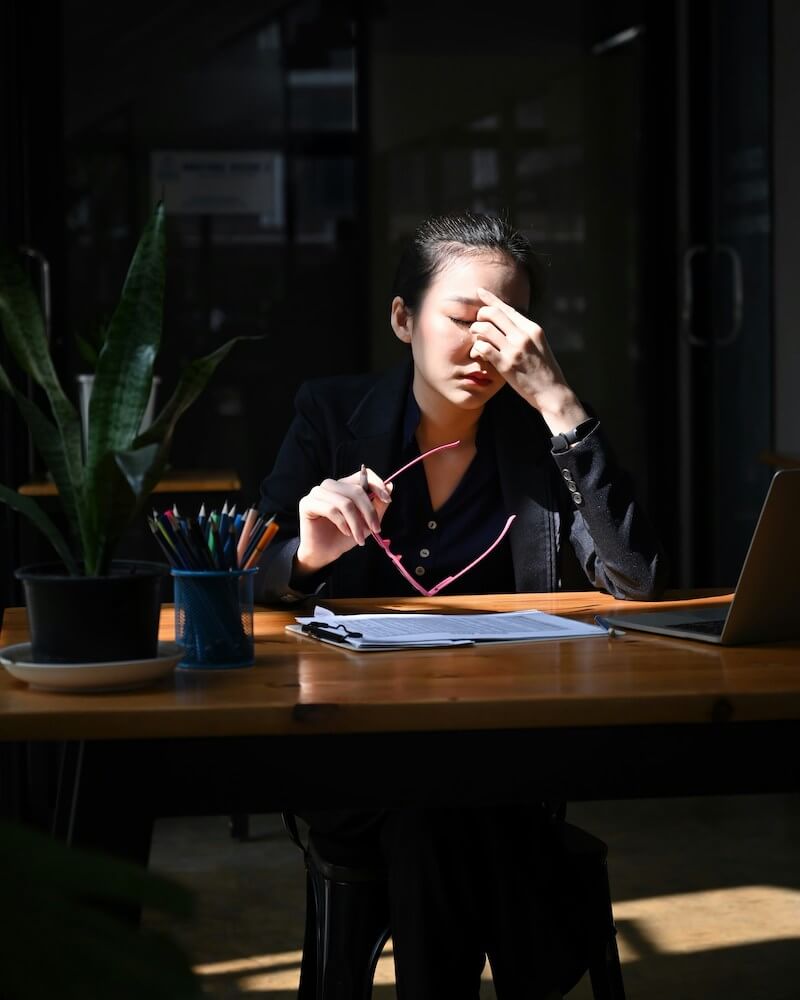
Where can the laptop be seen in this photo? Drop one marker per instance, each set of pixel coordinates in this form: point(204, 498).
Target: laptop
point(766, 603)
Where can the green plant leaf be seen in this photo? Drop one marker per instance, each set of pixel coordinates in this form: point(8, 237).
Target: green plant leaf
point(64, 942)
point(135, 466)
point(21, 320)
point(86, 351)
point(88, 873)
point(122, 466)
point(31, 509)
point(124, 374)
point(122, 384)
point(23, 323)
point(193, 380)
point(48, 443)
point(141, 466)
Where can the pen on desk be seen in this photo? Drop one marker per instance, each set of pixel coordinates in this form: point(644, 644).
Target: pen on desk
point(163, 544)
point(270, 530)
point(215, 544)
point(612, 630)
point(222, 524)
point(244, 538)
point(259, 526)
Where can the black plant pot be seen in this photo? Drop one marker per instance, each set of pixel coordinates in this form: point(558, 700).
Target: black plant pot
point(91, 619)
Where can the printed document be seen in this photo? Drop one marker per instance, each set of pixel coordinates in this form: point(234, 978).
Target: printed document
point(413, 631)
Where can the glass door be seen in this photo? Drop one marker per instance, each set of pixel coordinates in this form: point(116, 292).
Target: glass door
point(725, 328)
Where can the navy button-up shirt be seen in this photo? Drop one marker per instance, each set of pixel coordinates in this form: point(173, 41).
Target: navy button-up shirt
point(436, 544)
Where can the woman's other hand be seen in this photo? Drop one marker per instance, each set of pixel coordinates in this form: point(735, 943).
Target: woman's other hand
point(517, 349)
point(336, 516)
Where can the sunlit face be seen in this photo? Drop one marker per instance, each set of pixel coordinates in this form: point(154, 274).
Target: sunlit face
point(439, 332)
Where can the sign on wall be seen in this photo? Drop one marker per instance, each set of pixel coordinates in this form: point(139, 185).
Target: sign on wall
point(231, 182)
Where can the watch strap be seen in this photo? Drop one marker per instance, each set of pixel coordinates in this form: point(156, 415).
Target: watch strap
point(566, 439)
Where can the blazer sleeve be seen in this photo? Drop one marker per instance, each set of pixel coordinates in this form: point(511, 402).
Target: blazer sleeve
point(609, 532)
point(305, 458)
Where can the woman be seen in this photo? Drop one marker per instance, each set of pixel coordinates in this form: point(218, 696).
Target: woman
point(480, 374)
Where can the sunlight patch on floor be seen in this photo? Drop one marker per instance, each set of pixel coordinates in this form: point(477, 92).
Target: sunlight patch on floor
point(683, 923)
point(251, 964)
point(707, 920)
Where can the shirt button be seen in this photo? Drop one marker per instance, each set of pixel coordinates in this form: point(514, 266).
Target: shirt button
point(424, 553)
point(577, 498)
point(572, 487)
point(566, 474)
point(432, 525)
point(420, 571)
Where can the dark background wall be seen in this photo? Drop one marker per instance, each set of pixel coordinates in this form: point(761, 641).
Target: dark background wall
point(632, 142)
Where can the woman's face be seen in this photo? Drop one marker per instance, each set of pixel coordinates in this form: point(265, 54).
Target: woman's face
point(439, 332)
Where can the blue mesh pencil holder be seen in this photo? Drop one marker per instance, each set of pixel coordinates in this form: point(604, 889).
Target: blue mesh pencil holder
point(214, 617)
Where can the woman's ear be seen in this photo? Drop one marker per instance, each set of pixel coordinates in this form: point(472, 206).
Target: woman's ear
point(401, 320)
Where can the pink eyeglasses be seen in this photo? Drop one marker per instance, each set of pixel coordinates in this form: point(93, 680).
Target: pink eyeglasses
point(398, 560)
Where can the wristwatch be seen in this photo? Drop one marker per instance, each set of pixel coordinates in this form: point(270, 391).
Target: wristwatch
point(564, 441)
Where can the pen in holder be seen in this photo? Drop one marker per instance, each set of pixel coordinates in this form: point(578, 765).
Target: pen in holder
point(214, 617)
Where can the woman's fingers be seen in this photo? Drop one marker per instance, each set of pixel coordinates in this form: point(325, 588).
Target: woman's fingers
point(488, 353)
point(355, 505)
point(353, 512)
point(502, 314)
point(339, 502)
point(317, 504)
point(377, 487)
point(489, 334)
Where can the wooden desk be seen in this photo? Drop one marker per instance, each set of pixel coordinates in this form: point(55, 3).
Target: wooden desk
point(298, 686)
point(175, 481)
point(584, 718)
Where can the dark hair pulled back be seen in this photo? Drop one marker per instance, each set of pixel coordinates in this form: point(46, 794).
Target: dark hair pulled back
point(445, 237)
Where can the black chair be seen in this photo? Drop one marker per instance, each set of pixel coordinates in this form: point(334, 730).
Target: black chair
point(347, 918)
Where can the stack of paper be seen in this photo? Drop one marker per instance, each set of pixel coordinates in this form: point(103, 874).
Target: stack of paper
point(416, 631)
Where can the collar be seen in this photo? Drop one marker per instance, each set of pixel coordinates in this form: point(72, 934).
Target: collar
point(381, 410)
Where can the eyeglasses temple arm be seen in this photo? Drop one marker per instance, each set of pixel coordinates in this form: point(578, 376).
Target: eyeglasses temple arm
point(397, 560)
point(439, 586)
point(419, 458)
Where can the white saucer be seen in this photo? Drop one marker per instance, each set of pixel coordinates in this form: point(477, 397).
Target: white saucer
point(113, 676)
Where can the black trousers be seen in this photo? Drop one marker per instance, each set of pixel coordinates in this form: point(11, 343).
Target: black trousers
point(465, 884)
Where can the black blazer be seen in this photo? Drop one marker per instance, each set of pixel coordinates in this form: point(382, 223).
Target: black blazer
point(566, 534)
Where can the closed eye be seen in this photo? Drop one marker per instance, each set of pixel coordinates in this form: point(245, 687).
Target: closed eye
point(460, 322)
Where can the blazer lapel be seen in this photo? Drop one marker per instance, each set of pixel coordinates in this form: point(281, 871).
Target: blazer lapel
point(522, 443)
point(375, 426)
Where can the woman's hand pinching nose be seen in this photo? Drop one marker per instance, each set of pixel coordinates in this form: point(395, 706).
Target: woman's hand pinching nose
point(478, 349)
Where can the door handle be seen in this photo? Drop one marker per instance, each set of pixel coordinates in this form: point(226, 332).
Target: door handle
point(737, 292)
point(687, 306)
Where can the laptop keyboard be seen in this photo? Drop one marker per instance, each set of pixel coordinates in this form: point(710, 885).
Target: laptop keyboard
point(713, 627)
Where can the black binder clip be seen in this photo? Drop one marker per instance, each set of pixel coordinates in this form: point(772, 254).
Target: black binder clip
point(321, 630)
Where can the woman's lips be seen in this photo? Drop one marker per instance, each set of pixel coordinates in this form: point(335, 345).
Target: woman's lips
point(477, 378)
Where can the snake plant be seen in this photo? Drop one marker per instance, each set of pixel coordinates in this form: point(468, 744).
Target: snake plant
point(102, 491)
